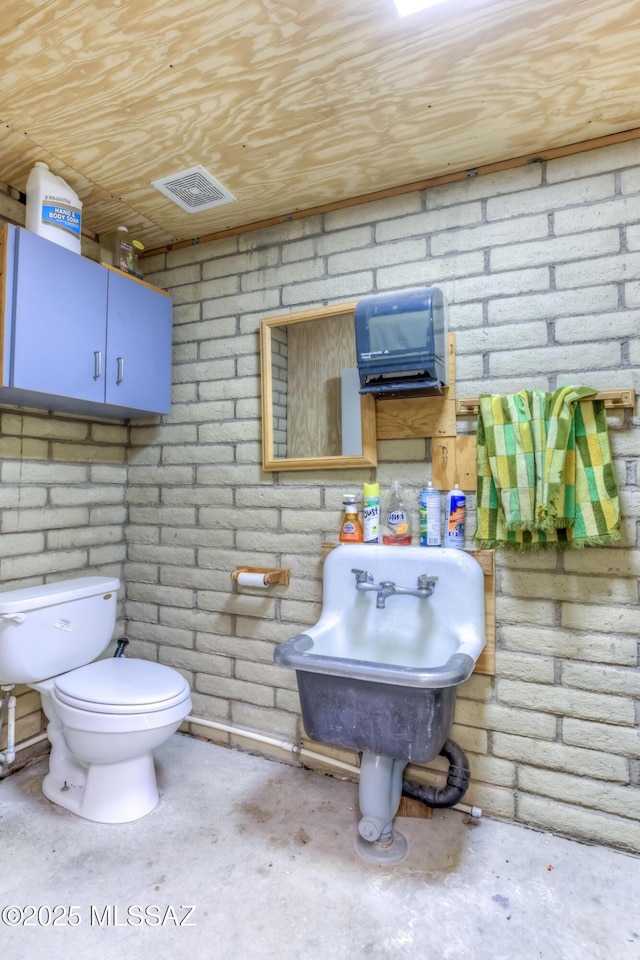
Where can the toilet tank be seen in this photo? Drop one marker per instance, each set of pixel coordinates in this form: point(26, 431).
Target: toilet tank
point(55, 627)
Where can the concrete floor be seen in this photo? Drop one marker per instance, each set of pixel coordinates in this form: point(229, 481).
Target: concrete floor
point(264, 854)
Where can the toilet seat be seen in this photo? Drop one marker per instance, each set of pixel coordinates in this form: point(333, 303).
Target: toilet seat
point(121, 686)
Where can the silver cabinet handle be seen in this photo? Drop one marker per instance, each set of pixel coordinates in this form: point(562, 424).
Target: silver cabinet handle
point(120, 374)
point(97, 364)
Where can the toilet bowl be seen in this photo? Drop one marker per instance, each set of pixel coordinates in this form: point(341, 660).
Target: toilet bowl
point(104, 720)
point(104, 717)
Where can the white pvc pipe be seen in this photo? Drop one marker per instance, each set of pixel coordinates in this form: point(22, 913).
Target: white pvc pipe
point(8, 755)
point(10, 751)
point(302, 752)
point(465, 808)
point(31, 742)
point(286, 745)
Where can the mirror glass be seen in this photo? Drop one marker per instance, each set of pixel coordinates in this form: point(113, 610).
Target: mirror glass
point(313, 415)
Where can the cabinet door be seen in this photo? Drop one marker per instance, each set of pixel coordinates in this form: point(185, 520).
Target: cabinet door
point(138, 372)
point(59, 321)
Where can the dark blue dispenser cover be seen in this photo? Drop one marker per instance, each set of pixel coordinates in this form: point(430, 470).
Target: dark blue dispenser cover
point(401, 341)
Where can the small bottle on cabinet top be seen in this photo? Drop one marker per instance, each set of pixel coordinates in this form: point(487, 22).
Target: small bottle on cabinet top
point(350, 528)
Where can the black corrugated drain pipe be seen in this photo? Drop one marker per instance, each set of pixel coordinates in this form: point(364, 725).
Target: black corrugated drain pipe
point(122, 643)
point(455, 787)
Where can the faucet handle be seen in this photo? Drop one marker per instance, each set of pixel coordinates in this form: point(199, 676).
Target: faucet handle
point(426, 580)
point(362, 576)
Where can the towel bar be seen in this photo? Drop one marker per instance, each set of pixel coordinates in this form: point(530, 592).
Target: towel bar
point(613, 400)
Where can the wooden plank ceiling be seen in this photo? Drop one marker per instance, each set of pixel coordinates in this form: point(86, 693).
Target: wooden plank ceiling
point(291, 106)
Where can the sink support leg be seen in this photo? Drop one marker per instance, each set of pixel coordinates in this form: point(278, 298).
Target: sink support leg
point(380, 792)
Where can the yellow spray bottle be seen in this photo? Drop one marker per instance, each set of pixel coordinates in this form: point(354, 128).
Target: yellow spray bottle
point(371, 512)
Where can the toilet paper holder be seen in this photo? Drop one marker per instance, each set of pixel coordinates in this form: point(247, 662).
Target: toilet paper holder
point(271, 574)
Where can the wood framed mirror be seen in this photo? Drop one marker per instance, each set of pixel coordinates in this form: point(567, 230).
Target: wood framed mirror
point(313, 417)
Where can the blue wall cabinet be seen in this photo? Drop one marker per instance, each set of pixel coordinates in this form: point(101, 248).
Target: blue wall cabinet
point(80, 337)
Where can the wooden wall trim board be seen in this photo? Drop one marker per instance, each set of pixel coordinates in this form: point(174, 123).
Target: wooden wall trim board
point(428, 416)
point(457, 176)
point(486, 663)
point(12, 210)
point(453, 461)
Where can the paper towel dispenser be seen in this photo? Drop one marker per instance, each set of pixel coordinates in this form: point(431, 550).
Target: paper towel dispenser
point(401, 342)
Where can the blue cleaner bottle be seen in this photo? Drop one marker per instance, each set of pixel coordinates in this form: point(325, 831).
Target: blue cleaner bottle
point(454, 519)
point(430, 522)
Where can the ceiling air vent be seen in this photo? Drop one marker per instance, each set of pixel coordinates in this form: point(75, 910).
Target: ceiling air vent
point(193, 190)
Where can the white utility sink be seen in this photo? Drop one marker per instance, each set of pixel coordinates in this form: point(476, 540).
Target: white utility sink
point(427, 641)
point(400, 629)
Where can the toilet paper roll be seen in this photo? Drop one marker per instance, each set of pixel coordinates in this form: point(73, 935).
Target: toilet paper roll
point(252, 579)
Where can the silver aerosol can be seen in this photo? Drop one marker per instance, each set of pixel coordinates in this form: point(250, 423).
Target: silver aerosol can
point(454, 519)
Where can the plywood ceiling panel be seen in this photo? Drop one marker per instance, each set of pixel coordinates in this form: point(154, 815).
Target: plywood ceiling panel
point(294, 106)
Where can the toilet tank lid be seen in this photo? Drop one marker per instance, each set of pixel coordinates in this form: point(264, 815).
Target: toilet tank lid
point(47, 594)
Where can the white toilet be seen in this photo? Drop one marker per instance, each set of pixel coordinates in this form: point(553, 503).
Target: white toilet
point(105, 717)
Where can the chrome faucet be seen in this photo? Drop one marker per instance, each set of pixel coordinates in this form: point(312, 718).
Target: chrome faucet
point(386, 588)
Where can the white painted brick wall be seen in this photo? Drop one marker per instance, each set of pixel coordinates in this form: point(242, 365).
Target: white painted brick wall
point(574, 820)
point(550, 198)
point(557, 756)
point(541, 265)
point(490, 235)
point(58, 519)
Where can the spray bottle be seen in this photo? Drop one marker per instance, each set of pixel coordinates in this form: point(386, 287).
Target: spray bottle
point(454, 519)
point(371, 512)
point(430, 525)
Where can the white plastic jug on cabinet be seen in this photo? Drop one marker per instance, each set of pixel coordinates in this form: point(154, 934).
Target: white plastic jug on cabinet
point(54, 211)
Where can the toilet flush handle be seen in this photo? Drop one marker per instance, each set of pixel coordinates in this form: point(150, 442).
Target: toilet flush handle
point(13, 617)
